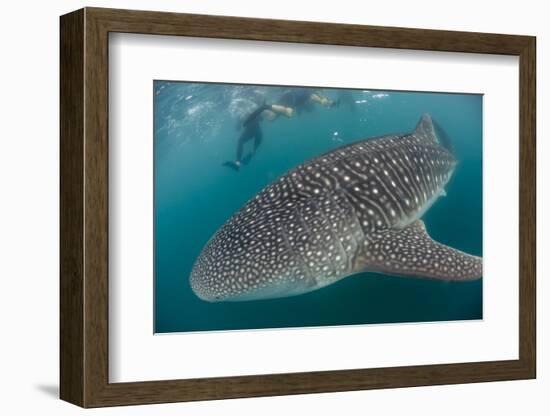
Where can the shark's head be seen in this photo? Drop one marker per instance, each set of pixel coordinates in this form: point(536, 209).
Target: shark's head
point(248, 259)
point(241, 283)
point(214, 274)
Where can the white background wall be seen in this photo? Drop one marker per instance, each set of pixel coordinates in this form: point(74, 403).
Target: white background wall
point(29, 225)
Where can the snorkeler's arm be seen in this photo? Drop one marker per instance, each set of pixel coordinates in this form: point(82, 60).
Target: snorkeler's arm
point(321, 99)
point(281, 109)
point(254, 117)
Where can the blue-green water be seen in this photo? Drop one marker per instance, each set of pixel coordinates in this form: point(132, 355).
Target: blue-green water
point(196, 130)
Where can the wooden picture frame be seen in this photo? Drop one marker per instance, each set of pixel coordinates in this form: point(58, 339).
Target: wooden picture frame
point(84, 207)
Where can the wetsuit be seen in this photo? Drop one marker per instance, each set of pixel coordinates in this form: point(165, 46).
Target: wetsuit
point(297, 98)
point(251, 130)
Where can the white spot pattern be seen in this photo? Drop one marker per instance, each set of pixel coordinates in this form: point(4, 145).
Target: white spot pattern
point(308, 230)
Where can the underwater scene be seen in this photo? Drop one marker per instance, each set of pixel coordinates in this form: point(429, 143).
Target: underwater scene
point(286, 206)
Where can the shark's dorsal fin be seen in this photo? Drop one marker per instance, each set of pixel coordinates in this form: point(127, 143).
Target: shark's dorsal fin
point(411, 252)
point(425, 129)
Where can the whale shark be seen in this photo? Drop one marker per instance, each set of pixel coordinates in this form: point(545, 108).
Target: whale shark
point(355, 209)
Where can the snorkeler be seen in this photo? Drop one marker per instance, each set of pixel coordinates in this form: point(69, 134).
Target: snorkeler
point(302, 99)
point(252, 130)
point(293, 100)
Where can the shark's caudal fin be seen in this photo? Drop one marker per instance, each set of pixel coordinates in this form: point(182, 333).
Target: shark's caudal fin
point(411, 252)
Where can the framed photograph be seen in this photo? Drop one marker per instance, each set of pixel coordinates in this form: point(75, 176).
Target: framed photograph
point(256, 207)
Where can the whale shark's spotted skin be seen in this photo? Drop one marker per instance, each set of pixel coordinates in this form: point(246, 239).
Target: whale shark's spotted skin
point(354, 209)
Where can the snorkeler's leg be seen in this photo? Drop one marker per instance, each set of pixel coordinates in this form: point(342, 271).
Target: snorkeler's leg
point(236, 164)
point(240, 147)
point(258, 139)
point(258, 135)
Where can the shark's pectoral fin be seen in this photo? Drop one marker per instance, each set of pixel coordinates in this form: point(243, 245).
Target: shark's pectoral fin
point(411, 252)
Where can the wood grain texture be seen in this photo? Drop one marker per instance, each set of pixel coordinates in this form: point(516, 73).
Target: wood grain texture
point(527, 208)
point(96, 208)
point(72, 215)
point(84, 207)
point(226, 27)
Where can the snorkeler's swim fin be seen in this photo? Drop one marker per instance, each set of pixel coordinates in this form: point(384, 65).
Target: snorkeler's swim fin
point(235, 165)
